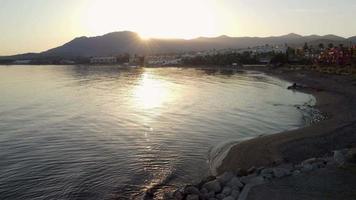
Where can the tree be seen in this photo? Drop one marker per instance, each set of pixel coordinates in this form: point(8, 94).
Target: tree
point(321, 46)
point(279, 59)
point(331, 45)
point(306, 47)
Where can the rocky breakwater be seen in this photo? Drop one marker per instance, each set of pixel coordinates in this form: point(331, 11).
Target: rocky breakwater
point(237, 185)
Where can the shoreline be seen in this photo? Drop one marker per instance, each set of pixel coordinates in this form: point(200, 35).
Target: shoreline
point(314, 162)
point(336, 98)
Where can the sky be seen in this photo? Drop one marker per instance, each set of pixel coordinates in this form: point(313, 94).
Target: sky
point(38, 25)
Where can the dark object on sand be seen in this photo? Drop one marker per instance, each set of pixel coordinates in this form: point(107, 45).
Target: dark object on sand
point(295, 86)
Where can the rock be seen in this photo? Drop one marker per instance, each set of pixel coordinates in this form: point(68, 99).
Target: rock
point(267, 176)
point(229, 198)
point(211, 194)
point(280, 172)
point(252, 179)
point(259, 170)
point(191, 190)
point(204, 191)
point(235, 193)
point(316, 162)
point(178, 195)
point(235, 183)
point(226, 191)
point(251, 170)
point(351, 156)
point(246, 179)
point(267, 173)
point(309, 161)
point(213, 199)
point(214, 186)
point(244, 193)
point(318, 165)
point(296, 172)
point(192, 197)
point(207, 195)
point(205, 180)
point(307, 168)
point(241, 172)
point(225, 177)
point(220, 196)
point(339, 157)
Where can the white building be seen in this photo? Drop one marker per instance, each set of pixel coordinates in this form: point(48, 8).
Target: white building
point(103, 60)
point(163, 60)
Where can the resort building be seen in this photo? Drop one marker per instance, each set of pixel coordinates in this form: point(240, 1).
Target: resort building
point(163, 60)
point(103, 60)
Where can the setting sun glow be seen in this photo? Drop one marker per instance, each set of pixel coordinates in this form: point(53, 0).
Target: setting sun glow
point(155, 18)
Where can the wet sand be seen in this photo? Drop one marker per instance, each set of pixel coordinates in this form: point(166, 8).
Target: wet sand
point(336, 98)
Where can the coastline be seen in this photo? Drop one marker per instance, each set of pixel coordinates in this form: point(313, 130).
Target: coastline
point(336, 98)
point(314, 162)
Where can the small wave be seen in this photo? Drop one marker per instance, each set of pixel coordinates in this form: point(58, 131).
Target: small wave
point(217, 154)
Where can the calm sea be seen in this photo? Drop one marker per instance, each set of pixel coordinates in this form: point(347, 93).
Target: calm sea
point(86, 132)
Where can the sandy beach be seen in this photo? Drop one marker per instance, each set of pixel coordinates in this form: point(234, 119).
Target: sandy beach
point(336, 98)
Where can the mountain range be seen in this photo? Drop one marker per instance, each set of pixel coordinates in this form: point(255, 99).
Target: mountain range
point(129, 42)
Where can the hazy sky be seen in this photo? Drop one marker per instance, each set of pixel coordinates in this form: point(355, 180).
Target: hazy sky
point(37, 25)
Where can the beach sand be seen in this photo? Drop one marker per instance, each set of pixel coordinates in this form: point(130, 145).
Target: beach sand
point(336, 98)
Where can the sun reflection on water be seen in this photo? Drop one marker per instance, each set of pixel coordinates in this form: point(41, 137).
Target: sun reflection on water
point(151, 92)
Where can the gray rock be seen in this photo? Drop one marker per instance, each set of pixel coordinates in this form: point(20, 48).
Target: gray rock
point(309, 161)
point(267, 171)
point(225, 177)
point(315, 162)
point(235, 193)
point(192, 197)
point(296, 172)
point(211, 194)
point(339, 157)
point(178, 195)
point(267, 176)
point(220, 196)
point(252, 179)
point(235, 183)
point(351, 156)
point(259, 170)
point(204, 191)
point(213, 186)
point(244, 193)
point(229, 198)
point(307, 168)
point(246, 179)
point(251, 170)
point(280, 172)
point(191, 190)
point(226, 191)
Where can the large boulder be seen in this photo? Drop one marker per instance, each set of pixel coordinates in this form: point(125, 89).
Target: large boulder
point(214, 186)
point(191, 190)
point(280, 172)
point(225, 177)
point(235, 183)
point(192, 197)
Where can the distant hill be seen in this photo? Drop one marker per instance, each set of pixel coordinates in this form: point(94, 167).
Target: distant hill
point(129, 42)
point(352, 39)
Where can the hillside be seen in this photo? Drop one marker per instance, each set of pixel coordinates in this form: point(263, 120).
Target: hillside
point(129, 42)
